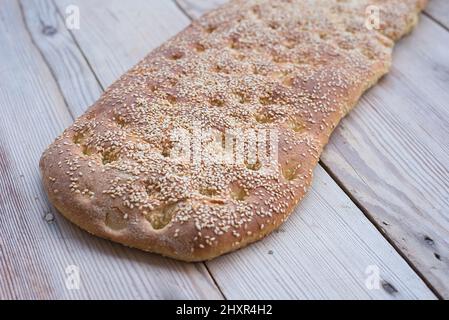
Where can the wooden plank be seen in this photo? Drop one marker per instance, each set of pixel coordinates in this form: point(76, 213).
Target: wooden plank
point(322, 254)
point(36, 244)
point(439, 10)
point(391, 152)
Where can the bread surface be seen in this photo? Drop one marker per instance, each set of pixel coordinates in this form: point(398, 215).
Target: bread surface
point(291, 69)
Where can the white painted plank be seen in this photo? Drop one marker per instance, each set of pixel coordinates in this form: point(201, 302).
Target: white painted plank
point(326, 261)
point(391, 153)
point(439, 10)
point(36, 244)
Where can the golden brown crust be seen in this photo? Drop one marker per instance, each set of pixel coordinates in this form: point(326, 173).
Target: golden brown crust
point(292, 67)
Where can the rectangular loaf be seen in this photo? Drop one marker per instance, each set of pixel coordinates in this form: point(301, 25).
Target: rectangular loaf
point(289, 69)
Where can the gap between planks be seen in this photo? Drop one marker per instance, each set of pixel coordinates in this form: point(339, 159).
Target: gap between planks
point(61, 16)
point(438, 10)
point(44, 58)
point(366, 213)
point(194, 15)
point(437, 21)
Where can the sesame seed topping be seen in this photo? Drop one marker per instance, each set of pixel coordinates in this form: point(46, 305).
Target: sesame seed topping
point(277, 66)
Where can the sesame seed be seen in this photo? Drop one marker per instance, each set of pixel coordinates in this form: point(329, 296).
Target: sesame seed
point(265, 70)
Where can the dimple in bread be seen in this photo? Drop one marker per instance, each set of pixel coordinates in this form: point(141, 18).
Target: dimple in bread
point(296, 67)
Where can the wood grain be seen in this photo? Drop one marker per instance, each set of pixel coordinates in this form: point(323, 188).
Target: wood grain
point(36, 244)
point(391, 153)
point(439, 10)
point(116, 35)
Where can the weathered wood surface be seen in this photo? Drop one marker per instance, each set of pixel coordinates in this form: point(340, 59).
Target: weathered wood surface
point(36, 244)
point(390, 154)
point(323, 251)
point(115, 35)
point(439, 11)
point(50, 36)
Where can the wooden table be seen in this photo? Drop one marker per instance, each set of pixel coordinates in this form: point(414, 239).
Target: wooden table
point(379, 203)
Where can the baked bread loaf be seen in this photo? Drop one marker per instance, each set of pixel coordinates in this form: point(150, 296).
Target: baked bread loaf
point(265, 70)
